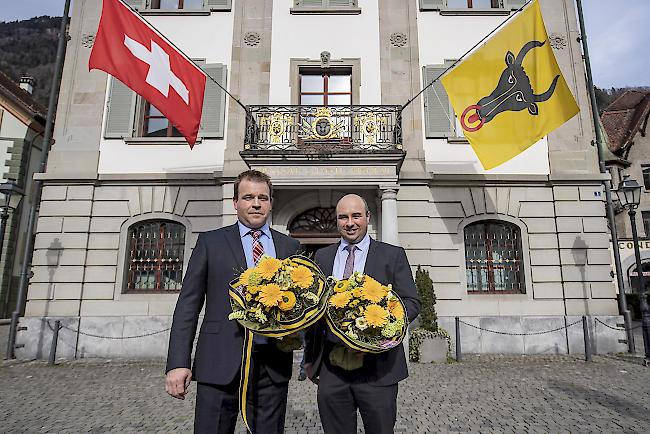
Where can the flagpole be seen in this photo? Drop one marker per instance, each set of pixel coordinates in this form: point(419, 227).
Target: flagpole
point(189, 59)
point(515, 13)
point(38, 184)
point(622, 302)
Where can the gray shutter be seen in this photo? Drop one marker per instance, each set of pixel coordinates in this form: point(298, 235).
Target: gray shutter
point(136, 4)
point(341, 3)
point(121, 111)
point(438, 118)
point(515, 4)
point(214, 102)
point(431, 5)
point(312, 3)
point(219, 5)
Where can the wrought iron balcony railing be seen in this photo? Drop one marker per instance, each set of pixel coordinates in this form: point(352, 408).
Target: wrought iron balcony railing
point(315, 129)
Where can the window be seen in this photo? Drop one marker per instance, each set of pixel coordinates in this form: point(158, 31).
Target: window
point(156, 124)
point(176, 4)
point(325, 7)
point(439, 118)
point(477, 5)
point(129, 116)
point(155, 256)
point(645, 216)
point(645, 168)
point(325, 87)
point(180, 5)
point(493, 258)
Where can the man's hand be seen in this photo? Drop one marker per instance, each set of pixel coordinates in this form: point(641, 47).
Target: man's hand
point(177, 381)
point(309, 369)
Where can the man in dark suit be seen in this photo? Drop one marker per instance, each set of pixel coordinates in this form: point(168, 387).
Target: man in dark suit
point(217, 258)
point(367, 382)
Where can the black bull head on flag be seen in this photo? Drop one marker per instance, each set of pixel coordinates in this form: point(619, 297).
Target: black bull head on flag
point(513, 93)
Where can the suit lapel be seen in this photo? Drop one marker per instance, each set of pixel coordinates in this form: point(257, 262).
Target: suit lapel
point(281, 249)
point(234, 242)
point(329, 256)
point(369, 267)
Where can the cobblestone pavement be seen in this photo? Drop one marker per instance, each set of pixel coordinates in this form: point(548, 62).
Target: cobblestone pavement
point(486, 394)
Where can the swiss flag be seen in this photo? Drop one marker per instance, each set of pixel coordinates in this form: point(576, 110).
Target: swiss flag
point(129, 49)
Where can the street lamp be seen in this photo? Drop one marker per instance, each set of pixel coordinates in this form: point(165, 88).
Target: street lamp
point(629, 194)
point(13, 195)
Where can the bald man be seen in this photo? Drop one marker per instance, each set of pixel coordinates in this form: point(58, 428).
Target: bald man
point(367, 382)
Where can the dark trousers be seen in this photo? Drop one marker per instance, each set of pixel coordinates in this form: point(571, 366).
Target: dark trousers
point(339, 397)
point(217, 406)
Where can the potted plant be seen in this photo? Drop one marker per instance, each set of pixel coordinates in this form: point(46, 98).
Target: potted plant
point(428, 342)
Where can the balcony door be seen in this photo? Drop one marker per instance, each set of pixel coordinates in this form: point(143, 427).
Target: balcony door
point(325, 87)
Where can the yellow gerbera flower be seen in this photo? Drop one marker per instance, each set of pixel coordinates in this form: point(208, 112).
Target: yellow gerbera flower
point(245, 277)
point(357, 292)
point(270, 295)
point(375, 315)
point(287, 301)
point(340, 299)
point(373, 291)
point(341, 286)
point(302, 277)
point(267, 267)
point(395, 308)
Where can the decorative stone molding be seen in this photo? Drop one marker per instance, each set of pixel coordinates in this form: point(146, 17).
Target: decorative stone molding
point(88, 40)
point(252, 38)
point(325, 57)
point(398, 39)
point(558, 41)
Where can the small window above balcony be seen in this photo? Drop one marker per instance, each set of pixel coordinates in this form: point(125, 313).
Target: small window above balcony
point(331, 7)
point(180, 7)
point(471, 7)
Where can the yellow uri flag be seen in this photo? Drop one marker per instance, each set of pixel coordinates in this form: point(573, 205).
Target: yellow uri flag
point(509, 93)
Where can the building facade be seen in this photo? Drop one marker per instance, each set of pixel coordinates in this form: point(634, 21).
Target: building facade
point(522, 247)
point(626, 121)
point(22, 121)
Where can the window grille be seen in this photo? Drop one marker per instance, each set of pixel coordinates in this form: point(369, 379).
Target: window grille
point(155, 262)
point(493, 258)
point(316, 220)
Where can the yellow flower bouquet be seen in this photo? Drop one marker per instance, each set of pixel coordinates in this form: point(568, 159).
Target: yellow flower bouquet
point(366, 315)
point(279, 297)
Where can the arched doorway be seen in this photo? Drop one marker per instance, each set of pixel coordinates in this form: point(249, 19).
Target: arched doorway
point(315, 229)
point(633, 276)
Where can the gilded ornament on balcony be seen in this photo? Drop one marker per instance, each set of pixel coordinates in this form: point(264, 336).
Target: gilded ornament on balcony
point(277, 124)
point(369, 126)
point(323, 127)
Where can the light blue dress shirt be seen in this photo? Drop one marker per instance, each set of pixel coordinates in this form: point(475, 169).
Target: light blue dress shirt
point(247, 242)
point(360, 256)
point(269, 250)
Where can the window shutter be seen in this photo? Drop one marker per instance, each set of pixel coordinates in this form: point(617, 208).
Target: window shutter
point(341, 3)
point(432, 5)
point(219, 5)
point(438, 117)
point(214, 102)
point(121, 111)
point(312, 3)
point(136, 4)
point(515, 4)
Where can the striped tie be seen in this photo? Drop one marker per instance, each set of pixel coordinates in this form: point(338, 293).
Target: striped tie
point(349, 263)
point(258, 249)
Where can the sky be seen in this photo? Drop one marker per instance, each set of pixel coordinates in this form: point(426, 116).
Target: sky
point(617, 33)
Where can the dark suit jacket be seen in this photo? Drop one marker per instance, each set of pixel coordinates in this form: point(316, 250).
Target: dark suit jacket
point(216, 260)
point(387, 264)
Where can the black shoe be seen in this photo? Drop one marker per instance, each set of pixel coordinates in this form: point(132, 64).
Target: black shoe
point(302, 376)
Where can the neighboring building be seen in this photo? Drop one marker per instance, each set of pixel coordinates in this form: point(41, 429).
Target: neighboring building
point(523, 247)
point(22, 121)
point(626, 123)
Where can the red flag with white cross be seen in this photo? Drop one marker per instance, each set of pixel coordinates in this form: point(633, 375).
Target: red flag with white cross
point(131, 50)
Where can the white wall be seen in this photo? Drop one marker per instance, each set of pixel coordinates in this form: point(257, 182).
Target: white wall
point(449, 37)
point(344, 36)
point(200, 37)
point(10, 128)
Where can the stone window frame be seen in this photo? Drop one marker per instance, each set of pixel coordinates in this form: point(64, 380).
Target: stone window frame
point(300, 9)
point(122, 258)
point(297, 63)
point(142, 6)
point(440, 6)
point(525, 253)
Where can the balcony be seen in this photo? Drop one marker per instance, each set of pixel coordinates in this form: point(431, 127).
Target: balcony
point(316, 144)
point(318, 129)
